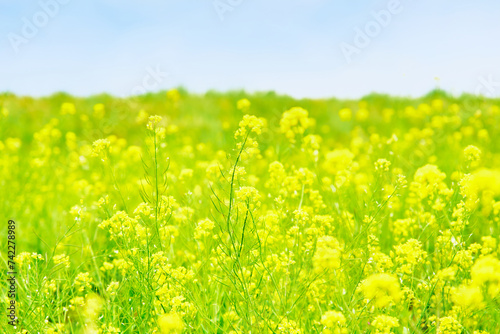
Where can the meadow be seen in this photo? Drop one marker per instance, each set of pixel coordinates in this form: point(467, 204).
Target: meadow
point(241, 213)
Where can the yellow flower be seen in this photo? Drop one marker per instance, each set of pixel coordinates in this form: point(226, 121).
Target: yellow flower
point(107, 266)
point(173, 95)
point(99, 110)
point(437, 104)
point(312, 142)
point(276, 174)
point(93, 306)
point(486, 271)
point(485, 182)
point(203, 228)
point(382, 165)
point(362, 114)
point(170, 323)
point(383, 289)
point(112, 288)
point(384, 324)
point(294, 121)
point(13, 144)
point(76, 302)
point(428, 181)
point(68, 108)
point(468, 297)
point(27, 258)
point(243, 105)
point(61, 259)
point(429, 174)
point(82, 281)
point(4, 112)
point(288, 327)
point(446, 274)
point(409, 255)
point(345, 114)
point(249, 123)
point(472, 153)
point(333, 319)
point(338, 160)
point(328, 254)
point(153, 121)
point(248, 196)
point(100, 148)
point(449, 325)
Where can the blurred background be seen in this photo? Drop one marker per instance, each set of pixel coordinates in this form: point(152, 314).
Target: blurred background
point(304, 48)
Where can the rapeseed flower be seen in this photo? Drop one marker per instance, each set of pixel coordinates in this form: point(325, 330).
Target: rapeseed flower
point(382, 289)
point(170, 323)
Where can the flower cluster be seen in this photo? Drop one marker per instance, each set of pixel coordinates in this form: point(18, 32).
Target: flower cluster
point(295, 121)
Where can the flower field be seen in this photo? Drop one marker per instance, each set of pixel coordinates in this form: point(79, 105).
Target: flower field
point(237, 213)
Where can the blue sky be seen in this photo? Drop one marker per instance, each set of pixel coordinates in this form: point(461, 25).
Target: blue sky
point(290, 46)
